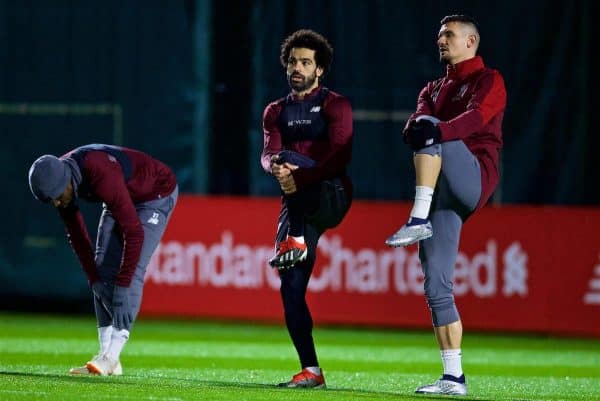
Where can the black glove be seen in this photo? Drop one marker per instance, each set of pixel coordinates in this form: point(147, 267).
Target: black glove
point(102, 291)
point(421, 134)
point(122, 313)
point(410, 126)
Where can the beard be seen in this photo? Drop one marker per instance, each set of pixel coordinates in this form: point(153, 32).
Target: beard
point(445, 58)
point(304, 84)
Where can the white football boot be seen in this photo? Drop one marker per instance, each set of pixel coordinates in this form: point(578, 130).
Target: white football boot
point(443, 386)
point(81, 370)
point(408, 235)
point(104, 365)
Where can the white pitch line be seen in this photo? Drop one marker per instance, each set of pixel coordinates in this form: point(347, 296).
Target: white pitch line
point(45, 393)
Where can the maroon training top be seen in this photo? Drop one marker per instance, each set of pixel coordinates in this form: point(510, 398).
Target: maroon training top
point(470, 102)
point(103, 178)
point(331, 156)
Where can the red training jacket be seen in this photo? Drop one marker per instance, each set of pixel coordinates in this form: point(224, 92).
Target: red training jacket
point(470, 102)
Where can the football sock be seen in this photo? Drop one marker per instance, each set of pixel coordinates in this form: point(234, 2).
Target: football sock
point(315, 370)
point(415, 221)
point(452, 361)
point(460, 379)
point(104, 336)
point(118, 340)
point(423, 197)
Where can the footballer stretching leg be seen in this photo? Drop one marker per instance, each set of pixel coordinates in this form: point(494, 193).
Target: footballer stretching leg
point(138, 194)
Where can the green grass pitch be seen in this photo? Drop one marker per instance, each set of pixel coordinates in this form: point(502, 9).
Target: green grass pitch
point(175, 360)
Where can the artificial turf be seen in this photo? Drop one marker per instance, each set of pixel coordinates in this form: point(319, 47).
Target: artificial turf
point(175, 360)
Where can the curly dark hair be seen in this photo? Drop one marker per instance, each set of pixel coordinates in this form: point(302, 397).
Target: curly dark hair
point(312, 40)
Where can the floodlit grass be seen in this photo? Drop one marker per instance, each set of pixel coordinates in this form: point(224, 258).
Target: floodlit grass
point(186, 360)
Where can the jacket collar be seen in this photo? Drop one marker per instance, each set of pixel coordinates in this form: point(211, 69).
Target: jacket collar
point(465, 68)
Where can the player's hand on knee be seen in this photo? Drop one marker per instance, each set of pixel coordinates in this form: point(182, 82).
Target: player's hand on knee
point(421, 134)
point(405, 136)
point(102, 291)
point(122, 313)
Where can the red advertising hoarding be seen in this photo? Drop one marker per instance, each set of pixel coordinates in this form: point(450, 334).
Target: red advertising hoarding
point(519, 268)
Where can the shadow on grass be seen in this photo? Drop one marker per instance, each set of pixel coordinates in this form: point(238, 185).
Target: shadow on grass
point(72, 378)
point(345, 393)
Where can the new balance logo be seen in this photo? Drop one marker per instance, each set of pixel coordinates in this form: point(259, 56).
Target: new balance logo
point(315, 109)
point(153, 219)
point(461, 92)
point(592, 297)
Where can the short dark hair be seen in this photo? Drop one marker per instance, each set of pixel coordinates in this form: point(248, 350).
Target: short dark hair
point(465, 19)
point(312, 40)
